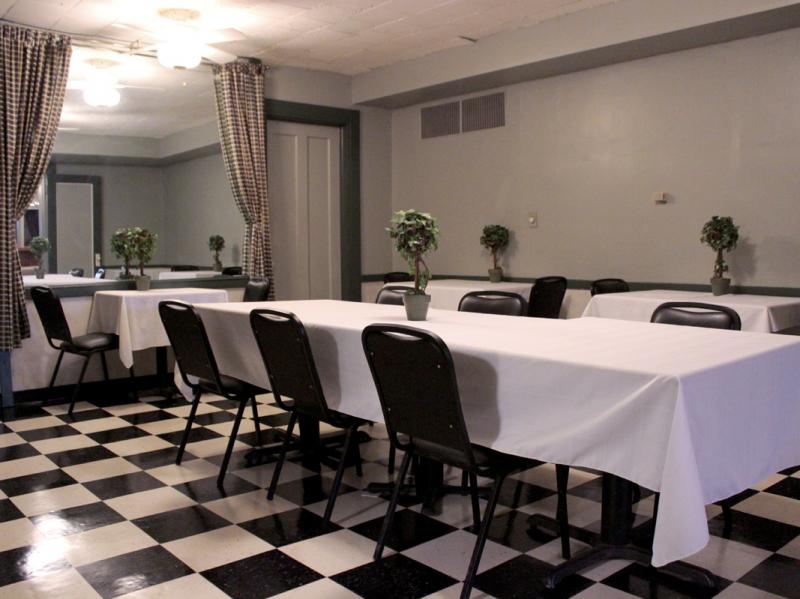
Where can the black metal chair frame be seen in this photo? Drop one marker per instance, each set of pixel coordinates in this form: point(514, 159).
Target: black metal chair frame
point(494, 302)
point(203, 365)
point(56, 328)
point(601, 286)
point(257, 290)
point(397, 276)
point(184, 268)
point(390, 294)
point(544, 285)
point(305, 390)
point(451, 445)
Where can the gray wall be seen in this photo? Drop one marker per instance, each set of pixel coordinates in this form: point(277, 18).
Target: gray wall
point(717, 128)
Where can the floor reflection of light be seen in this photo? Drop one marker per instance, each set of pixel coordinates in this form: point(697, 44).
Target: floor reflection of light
point(52, 526)
point(43, 557)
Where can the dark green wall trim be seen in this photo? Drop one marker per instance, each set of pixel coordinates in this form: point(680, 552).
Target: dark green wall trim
point(220, 282)
point(350, 178)
point(94, 159)
point(635, 286)
point(54, 178)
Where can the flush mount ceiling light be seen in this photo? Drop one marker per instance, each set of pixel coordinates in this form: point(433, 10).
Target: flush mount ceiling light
point(100, 89)
point(180, 52)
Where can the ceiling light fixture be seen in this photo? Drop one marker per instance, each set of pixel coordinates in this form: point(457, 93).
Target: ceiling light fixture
point(180, 52)
point(101, 90)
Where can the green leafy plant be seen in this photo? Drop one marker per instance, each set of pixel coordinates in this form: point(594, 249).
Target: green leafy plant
point(39, 247)
point(415, 234)
point(216, 243)
point(121, 245)
point(721, 235)
point(143, 243)
point(495, 239)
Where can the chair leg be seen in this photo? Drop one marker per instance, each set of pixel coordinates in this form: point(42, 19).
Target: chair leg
point(476, 508)
point(255, 420)
point(55, 370)
point(727, 518)
point(337, 481)
point(223, 469)
point(188, 429)
point(78, 386)
point(357, 455)
point(276, 474)
point(562, 478)
point(387, 521)
point(105, 365)
point(464, 480)
point(481, 540)
point(392, 458)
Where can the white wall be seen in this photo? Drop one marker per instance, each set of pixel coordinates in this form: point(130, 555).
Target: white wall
point(718, 128)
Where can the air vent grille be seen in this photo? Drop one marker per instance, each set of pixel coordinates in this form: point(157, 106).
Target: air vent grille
point(443, 119)
point(483, 112)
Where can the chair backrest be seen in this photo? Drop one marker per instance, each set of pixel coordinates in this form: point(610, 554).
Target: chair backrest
point(189, 341)
point(397, 276)
point(256, 291)
point(392, 294)
point(547, 294)
point(601, 286)
point(183, 267)
point(100, 273)
point(493, 302)
point(416, 383)
point(232, 271)
point(54, 323)
point(76, 272)
point(697, 314)
point(284, 347)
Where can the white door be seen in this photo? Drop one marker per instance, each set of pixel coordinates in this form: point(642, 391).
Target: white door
point(75, 227)
point(303, 174)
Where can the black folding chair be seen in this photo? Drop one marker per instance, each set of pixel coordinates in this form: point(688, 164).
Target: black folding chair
point(493, 302)
point(284, 347)
point(56, 329)
point(416, 382)
point(601, 286)
point(232, 271)
point(392, 295)
point(547, 295)
point(76, 272)
point(257, 290)
point(194, 357)
point(397, 276)
point(184, 268)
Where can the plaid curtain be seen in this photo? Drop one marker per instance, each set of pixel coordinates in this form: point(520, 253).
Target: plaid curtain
point(239, 88)
point(33, 75)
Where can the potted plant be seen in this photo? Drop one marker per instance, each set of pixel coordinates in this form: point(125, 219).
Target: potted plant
point(721, 235)
point(495, 239)
point(143, 243)
point(122, 248)
point(415, 234)
point(216, 243)
point(39, 247)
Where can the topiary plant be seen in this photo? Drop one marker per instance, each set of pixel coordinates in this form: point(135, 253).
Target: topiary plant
point(721, 235)
point(495, 239)
point(143, 244)
point(415, 234)
point(216, 243)
point(122, 248)
point(39, 247)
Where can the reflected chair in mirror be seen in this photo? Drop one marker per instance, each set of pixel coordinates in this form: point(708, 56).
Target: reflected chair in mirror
point(195, 359)
point(493, 302)
point(392, 295)
point(292, 372)
point(56, 329)
point(257, 290)
point(416, 383)
point(183, 268)
point(601, 286)
point(397, 276)
point(710, 316)
point(232, 271)
point(100, 273)
point(76, 272)
point(547, 295)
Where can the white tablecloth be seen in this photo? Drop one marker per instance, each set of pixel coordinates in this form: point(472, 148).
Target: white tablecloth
point(61, 281)
point(761, 313)
point(447, 293)
point(187, 274)
point(698, 414)
point(133, 315)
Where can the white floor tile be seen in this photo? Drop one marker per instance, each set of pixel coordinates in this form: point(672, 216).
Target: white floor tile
point(63, 443)
point(194, 586)
point(248, 506)
point(186, 471)
point(25, 466)
point(41, 502)
point(217, 547)
point(108, 541)
point(333, 553)
point(138, 445)
point(65, 584)
point(146, 503)
point(729, 559)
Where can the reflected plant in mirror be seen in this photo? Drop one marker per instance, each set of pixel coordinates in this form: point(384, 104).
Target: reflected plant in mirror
point(39, 247)
point(495, 239)
point(143, 244)
point(122, 248)
point(216, 243)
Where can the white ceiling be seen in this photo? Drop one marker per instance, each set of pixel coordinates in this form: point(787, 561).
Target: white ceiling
point(344, 36)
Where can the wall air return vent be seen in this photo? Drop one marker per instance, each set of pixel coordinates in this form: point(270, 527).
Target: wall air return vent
point(483, 112)
point(444, 119)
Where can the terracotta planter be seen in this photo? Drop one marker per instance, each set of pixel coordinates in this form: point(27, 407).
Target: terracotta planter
point(416, 305)
point(720, 285)
point(496, 275)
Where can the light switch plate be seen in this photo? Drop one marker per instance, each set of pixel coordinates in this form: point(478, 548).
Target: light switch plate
point(533, 220)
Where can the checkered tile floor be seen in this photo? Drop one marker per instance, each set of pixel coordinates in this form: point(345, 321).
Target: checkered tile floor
point(94, 506)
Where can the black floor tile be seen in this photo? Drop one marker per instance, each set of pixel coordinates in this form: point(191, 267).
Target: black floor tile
point(146, 417)
point(24, 410)
point(790, 471)
point(8, 511)
point(734, 499)
point(394, 577)
point(754, 530)
point(118, 434)
point(124, 484)
point(238, 459)
point(260, 576)
point(52, 432)
point(175, 401)
point(523, 576)
point(76, 519)
point(788, 487)
point(276, 419)
point(84, 416)
point(512, 530)
point(650, 583)
point(157, 458)
point(16, 452)
point(214, 418)
point(177, 524)
point(269, 436)
point(206, 489)
point(73, 457)
point(288, 527)
point(28, 562)
point(516, 493)
point(133, 571)
point(36, 482)
point(777, 574)
point(409, 528)
point(311, 489)
point(196, 434)
point(224, 404)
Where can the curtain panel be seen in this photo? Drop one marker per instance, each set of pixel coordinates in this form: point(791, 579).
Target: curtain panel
point(239, 93)
point(33, 75)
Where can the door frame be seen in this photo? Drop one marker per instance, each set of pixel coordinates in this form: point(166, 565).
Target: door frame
point(348, 122)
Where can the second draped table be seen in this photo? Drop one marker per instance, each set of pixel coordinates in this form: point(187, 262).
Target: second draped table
point(447, 293)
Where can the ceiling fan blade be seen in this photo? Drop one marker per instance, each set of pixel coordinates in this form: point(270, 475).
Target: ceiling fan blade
point(220, 36)
point(218, 56)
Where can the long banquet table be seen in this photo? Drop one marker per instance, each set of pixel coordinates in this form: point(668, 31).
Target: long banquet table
point(697, 414)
